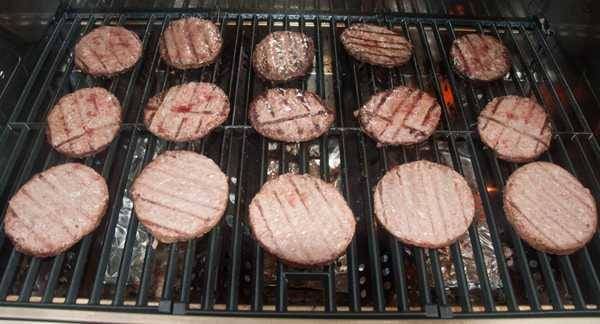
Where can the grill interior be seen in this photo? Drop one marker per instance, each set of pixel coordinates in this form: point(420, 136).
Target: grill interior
point(490, 272)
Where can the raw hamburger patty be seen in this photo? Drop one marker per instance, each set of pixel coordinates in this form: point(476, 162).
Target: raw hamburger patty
point(190, 43)
point(180, 195)
point(480, 57)
point(400, 116)
point(84, 122)
point(283, 56)
point(55, 209)
point(424, 204)
point(186, 112)
point(516, 128)
point(108, 50)
point(376, 45)
point(549, 208)
point(290, 115)
point(301, 219)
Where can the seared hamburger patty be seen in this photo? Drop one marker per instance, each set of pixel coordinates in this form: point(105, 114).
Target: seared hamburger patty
point(186, 112)
point(55, 209)
point(302, 220)
point(424, 204)
point(549, 208)
point(290, 115)
point(516, 128)
point(283, 56)
point(400, 116)
point(180, 195)
point(376, 45)
point(190, 43)
point(108, 50)
point(84, 122)
point(480, 57)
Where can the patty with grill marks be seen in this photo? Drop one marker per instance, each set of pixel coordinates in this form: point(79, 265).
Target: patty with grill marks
point(84, 122)
point(55, 209)
point(190, 43)
point(283, 56)
point(516, 128)
point(376, 45)
point(290, 115)
point(480, 57)
point(180, 195)
point(424, 204)
point(186, 112)
point(302, 220)
point(401, 116)
point(549, 208)
point(108, 50)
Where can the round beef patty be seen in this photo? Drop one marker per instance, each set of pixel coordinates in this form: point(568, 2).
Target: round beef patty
point(376, 45)
point(55, 209)
point(283, 56)
point(290, 115)
point(84, 122)
point(480, 57)
point(549, 208)
point(180, 195)
point(190, 43)
point(424, 204)
point(400, 116)
point(302, 220)
point(516, 128)
point(108, 50)
point(186, 112)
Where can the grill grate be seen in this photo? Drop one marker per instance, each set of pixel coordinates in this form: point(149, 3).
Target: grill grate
point(119, 267)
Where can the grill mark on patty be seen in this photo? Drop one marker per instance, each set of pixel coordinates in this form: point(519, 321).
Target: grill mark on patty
point(506, 126)
point(567, 184)
point(291, 118)
point(113, 52)
point(170, 229)
point(98, 58)
point(308, 212)
point(381, 201)
point(359, 42)
point(56, 218)
point(437, 198)
point(72, 139)
point(172, 208)
point(366, 30)
point(45, 237)
point(301, 247)
point(378, 54)
point(304, 103)
point(174, 195)
point(533, 226)
point(403, 194)
point(377, 107)
point(180, 178)
point(330, 208)
point(188, 38)
point(261, 215)
point(412, 107)
point(59, 197)
point(178, 57)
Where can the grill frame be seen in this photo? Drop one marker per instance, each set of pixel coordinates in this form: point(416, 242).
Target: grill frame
point(572, 131)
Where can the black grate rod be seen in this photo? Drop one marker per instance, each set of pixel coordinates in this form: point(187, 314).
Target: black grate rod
point(145, 280)
point(336, 73)
point(258, 277)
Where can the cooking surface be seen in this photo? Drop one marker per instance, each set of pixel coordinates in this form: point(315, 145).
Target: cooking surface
point(490, 272)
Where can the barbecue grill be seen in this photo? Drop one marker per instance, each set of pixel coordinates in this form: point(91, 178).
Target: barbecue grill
point(120, 267)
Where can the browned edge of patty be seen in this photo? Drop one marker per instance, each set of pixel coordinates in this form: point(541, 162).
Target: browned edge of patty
point(510, 211)
point(360, 116)
point(426, 245)
point(25, 250)
point(476, 81)
point(253, 116)
point(85, 70)
point(301, 75)
point(68, 153)
point(292, 263)
point(160, 236)
point(163, 51)
point(356, 54)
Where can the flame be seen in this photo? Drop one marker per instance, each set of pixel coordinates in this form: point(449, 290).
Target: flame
point(447, 93)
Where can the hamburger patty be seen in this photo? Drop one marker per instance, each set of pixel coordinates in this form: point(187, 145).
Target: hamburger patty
point(302, 220)
point(480, 57)
point(516, 128)
point(549, 208)
point(186, 112)
point(376, 45)
point(283, 56)
point(424, 204)
point(55, 209)
point(84, 122)
point(180, 195)
point(400, 116)
point(190, 43)
point(290, 115)
point(108, 50)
